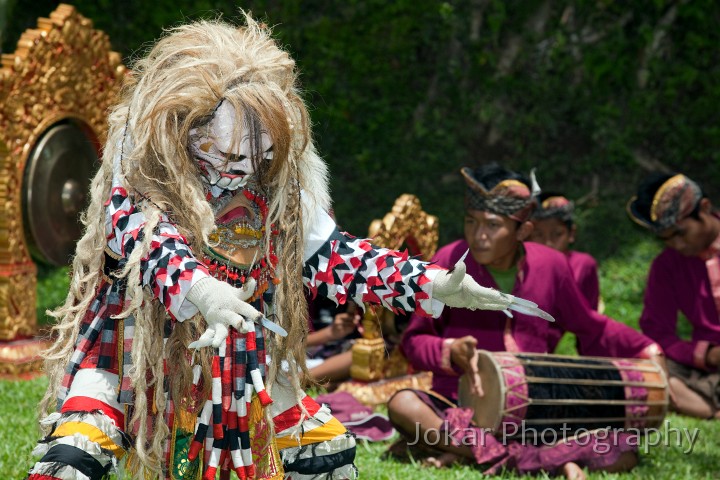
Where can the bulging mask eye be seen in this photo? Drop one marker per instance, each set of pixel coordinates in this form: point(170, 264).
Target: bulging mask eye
point(225, 152)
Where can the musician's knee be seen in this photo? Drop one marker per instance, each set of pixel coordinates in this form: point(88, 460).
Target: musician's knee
point(406, 410)
point(686, 401)
point(402, 404)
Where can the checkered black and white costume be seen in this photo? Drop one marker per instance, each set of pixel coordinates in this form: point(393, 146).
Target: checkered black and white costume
point(90, 432)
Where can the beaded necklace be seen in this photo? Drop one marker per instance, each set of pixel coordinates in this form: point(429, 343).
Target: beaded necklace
point(225, 269)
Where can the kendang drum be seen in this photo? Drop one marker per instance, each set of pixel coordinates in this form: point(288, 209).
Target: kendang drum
point(526, 393)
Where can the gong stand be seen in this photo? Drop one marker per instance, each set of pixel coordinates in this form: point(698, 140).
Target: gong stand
point(406, 226)
point(55, 90)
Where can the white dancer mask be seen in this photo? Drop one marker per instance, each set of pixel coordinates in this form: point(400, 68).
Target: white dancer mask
point(226, 163)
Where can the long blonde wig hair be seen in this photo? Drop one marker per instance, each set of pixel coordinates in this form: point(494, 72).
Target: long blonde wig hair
point(173, 89)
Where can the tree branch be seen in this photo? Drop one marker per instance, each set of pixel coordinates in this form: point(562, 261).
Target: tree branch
point(649, 163)
point(535, 24)
point(651, 50)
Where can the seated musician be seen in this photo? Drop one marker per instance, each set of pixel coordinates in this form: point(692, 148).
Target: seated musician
point(554, 226)
point(685, 278)
point(498, 204)
point(333, 329)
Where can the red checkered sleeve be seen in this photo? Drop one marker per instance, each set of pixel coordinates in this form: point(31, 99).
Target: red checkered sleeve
point(170, 269)
point(351, 267)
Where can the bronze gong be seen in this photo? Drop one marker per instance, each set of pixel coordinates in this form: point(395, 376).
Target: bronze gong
point(55, 190)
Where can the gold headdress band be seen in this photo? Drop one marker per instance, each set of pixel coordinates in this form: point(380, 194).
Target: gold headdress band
point(510, 197)
point(556, 201)
point(673, 201)
point(555, 206)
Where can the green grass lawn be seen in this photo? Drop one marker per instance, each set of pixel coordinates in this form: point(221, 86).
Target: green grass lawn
point(622, 280)
point(18, 433)
point(19, 430)
point(656, 462)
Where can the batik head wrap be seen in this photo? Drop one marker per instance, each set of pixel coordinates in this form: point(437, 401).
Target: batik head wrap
point(554, 206)
point(673, 201)
point(510, 197)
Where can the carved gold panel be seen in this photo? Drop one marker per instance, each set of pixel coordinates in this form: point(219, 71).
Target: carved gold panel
point(405, 226)
point(62, 70)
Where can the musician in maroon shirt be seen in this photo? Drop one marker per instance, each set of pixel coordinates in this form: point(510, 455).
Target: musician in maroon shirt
point(554, 226)
point(498, 204)
point(684, 278)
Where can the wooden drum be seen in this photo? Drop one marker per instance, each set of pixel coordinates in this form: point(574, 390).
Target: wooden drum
point(526, 392)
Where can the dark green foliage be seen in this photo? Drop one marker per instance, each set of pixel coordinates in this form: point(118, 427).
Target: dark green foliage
point(404, 93)
point(52, 288)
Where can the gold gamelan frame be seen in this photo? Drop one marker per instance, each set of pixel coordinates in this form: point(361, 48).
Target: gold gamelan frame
point(63, 70)
point(406, 225)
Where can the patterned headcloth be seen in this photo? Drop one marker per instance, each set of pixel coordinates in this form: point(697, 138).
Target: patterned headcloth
point(672, 202)
point(554, 206)
point(511, 197)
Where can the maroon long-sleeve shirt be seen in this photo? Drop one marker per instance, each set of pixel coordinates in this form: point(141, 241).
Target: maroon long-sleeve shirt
point(585, 273)
point(544, 277)
point(677, 283)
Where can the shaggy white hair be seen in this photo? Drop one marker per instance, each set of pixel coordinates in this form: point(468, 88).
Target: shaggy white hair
point(173, 89)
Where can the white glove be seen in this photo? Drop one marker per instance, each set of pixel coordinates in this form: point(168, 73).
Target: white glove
point(457, 289)
point(222, 305)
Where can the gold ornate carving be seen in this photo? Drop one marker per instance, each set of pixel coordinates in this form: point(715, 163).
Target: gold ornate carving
point(371, 322)
point(405, 226)
point(21, 357)
point(377, 393)
point(63, 69)
point(368, 357)
point(17, 301)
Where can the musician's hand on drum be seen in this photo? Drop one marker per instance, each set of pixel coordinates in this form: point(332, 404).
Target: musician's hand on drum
point(455, 288)
point(222, 306)
point(462, 351)
point(464, 354)
point(474, 376)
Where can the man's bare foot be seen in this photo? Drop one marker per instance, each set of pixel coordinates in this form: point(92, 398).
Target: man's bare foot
point(572, 471)
point(442, 460)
